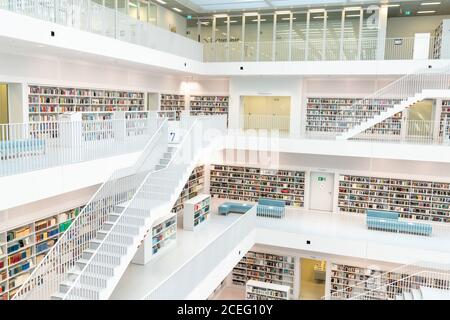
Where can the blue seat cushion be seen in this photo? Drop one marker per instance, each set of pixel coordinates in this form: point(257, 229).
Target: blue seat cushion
point(383, 214)
point(227, 207)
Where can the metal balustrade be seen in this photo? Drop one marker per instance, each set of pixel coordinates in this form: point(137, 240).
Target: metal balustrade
point(181, 282)
point(393, 98)
point(26, 147)
point(88, 16)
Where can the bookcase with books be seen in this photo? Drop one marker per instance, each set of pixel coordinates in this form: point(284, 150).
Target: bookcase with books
point(196, 211)
point(208, 105)
point(24, 246)
point(259, 290)
point(193, 187)
point(46, 103)
point(413, 199)
point(441, 42)
point(164, 234)
point(171, 106)
point(335, 115)
point(265, 267)
point(251, 183)
point(445, 120)
point(348, 281)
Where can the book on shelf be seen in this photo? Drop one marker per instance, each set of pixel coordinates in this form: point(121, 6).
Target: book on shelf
point(196, 211)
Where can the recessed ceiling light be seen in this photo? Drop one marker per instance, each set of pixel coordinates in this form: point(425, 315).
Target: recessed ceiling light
point(233, 21)
point(393, 5)
point(429, 11)
point(287, 19)
point(250, 14)
point(256, 20)
point(176, 9)
point(222, 15)
point(283, 12)
point(430, 3)
point(352, 15)
point(161, 1)
point(319, 17)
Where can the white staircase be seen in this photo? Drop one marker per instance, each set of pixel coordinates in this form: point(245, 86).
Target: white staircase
point(405, 92)
point(90, 258)
point(424, 293)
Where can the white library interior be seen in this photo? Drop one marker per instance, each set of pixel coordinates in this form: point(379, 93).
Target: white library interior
point(225, 150)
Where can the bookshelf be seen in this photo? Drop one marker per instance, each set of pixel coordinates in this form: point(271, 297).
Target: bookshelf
point(251, 183)
point(258, 290)
point(344, 277)
point(441, 41)
point(171, 106)
point(445, 119)
point(208, 105)
point(437, 41)
point(193, 187)
point(264, 267)
point(164, 234)
point(23, 247)
point(46, 103)
point(334, 115)
point(413, 199)
point(196, 211)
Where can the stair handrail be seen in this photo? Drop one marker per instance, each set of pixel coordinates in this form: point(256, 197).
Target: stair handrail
point(402, 84)
point(186, 136)
point(404, 269)
point(417, 274)
point(113, 179)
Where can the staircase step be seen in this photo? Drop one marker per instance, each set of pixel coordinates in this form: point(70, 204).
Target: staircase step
point(66, 285)
point(112, 217)
point(115, 237)
point(407, 296)
point(106, 249)
point(60, 296)
point(95, 243)
point(121, 228)
point(103, 269)
point(126, 219)
point(399, 297)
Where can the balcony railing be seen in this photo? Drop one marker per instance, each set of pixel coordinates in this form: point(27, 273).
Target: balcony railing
point(312, 50)
point(27, 147)
point(88, 16)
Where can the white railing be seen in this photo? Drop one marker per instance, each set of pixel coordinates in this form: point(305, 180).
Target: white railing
point(394, 94)
point(119, 188)
point(88, 16)
point(311, 50)
point(33, 146)
point(387, 285)
point(182, 281)
point(265, 122)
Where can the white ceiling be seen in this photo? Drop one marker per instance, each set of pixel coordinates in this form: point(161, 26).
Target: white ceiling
point(231, 5)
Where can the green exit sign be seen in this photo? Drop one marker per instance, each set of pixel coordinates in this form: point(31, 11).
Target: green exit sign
point(321, 179)
point(407, 13)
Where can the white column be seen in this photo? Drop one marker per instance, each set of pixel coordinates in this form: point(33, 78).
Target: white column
point(421, 46)
point(243, 39)
point(382, 29)
point(341, 49)
point(291, 19)
point(258, 36)
point(274, 37)
point(361, 21)
point(324, 36)
point(308, 19)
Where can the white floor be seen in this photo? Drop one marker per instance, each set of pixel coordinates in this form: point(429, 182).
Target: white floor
point(230, 293)
point(139, 280)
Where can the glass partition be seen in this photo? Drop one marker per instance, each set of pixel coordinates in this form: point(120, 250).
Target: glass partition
point(333, 35)
point(133, 8)
point(143, 11)
point(352, 33)
point(283, 36)
point(221, 39)
point(235, 45)
point(251, 37)
point(316, 35)
point(299, 36)
point(266, 38)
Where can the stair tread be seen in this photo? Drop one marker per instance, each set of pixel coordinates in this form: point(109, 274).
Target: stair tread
point(69, 283)
point(417, 295)
point(407, 295)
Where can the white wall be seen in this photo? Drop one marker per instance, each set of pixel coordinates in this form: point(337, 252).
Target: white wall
point(408, 26)
point(167, 18)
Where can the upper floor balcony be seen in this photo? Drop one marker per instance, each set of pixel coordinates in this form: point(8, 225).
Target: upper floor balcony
point(346, 34)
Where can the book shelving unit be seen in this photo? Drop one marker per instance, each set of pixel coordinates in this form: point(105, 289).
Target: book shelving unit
point(171, 106)
point(345, 277)
point(437, 41)
point(164, 234)
point(193, 187)
point(196, 211)
point(445, 119)
point(209, 105)
point(333, 115)
point(46, 103)
point(251, 183)
point(264, 267)
point(413, 199)
point(23, 247)
point(258, 290)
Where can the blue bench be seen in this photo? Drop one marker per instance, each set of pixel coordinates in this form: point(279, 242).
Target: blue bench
point(228, 207)
point(389, 221)
point(271, 208)
point(19, 148)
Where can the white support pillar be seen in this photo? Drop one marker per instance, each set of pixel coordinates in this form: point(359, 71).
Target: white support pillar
point(361, 21)
point(324, 35)
point(291, 19)
point(274, 37)
point(243, 39)
point(258, 37)
point(308, 20)
point(437, 112)
point(382, 30)
point(341, 47)
point(228, 38)
point(421, 46)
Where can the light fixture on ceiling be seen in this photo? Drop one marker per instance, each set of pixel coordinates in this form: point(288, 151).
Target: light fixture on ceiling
point(132, 4)
point(316, 10)
point(256, 20)
point(392, 5)
point(319, 17)
point(161, 1)
point(250, 14)
point(233, 21)
point(427, 11)
point(352, 9)
point(430, 3)
point(287, 19)
point(177, 10)
point(352, 15)
point(222, 15)
point(283, 12)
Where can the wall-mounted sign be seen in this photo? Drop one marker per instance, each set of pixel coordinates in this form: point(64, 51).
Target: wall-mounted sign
point(321, 179)
point(398, 42)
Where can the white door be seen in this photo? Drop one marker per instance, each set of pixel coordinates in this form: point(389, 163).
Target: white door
point(321, 191)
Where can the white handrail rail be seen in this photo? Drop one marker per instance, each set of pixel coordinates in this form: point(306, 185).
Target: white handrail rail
point(113, 177)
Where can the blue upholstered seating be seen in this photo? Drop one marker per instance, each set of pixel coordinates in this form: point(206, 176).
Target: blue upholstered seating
point(228, 207)
point(271, 208)
point(17, 148)
point(389, 221)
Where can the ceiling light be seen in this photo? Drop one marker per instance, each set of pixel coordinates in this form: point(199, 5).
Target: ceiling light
point(352, 9)
point(430, 3)
point(256, 20)
point(161, 1)
point(393, 5)
point(287, 19)
point(233, 21)
point(204, 23)
point(250, 14)
point(176, 9)
point(429, 11)
point(283, 12)
point(352, 15)
point(316, 10)
point(132, 4)
point(222, 15)
point(319, 17)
